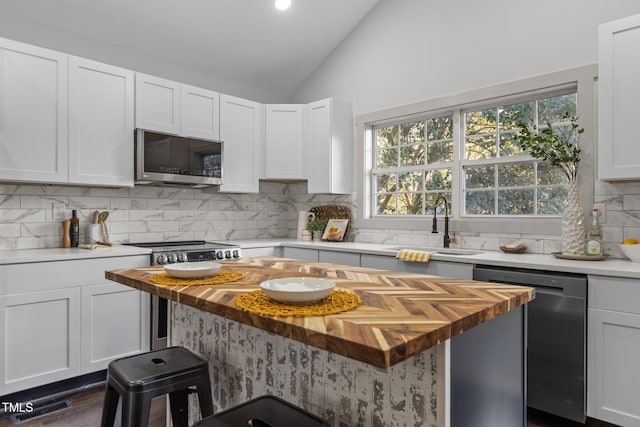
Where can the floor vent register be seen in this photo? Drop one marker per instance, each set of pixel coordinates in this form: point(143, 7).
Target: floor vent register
point(40, 411)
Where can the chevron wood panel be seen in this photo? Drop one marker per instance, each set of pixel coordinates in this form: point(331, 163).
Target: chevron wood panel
point(402, 314)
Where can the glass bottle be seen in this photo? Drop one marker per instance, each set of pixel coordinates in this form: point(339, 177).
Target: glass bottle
point(594, 241)
point(74, 231)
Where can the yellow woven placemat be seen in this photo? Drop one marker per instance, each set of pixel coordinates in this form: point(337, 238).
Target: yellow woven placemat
point(223, 276)
point(338, 301)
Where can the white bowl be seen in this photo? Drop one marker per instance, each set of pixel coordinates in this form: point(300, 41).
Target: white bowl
point(192, 270)
point(299, 290)
point(631, 251)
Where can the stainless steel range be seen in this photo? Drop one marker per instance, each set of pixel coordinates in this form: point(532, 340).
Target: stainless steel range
point(179, 251)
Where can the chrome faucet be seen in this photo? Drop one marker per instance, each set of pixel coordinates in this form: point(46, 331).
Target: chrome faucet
point(434, 229)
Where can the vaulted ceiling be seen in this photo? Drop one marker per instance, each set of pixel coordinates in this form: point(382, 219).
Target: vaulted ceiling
point(244, 41)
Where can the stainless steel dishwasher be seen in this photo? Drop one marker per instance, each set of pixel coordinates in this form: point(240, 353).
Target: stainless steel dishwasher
point(556, 324)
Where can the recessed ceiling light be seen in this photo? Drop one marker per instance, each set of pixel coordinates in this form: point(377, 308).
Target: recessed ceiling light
point(283, 4)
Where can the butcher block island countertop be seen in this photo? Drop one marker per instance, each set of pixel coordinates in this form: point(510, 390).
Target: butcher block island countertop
point(419, 350)
point(401, 314)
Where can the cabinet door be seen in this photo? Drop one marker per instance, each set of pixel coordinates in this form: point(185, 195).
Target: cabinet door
point(446, 269)
point(340, 258)
point(40, 338)
point(157, 104)
point(33, 113)
point(101, 124)
point(200, 112)
point(242, 133)
point(284, 137)
point(618, 94)
point(328, 147)
point(302, 254)
point(613, 380)
point(115, 323)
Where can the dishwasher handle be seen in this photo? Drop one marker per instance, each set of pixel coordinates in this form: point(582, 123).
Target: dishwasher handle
point(574, 285)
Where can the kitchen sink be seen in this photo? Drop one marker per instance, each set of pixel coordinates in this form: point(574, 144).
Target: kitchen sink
point(447, 251)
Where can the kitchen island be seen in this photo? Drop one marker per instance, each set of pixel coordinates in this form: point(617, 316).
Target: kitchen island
point(420, 350)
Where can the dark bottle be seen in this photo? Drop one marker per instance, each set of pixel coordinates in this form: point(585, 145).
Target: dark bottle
point(74, 230)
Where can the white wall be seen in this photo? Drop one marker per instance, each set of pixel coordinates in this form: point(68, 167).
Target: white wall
point(413, 50)
point(16, 28)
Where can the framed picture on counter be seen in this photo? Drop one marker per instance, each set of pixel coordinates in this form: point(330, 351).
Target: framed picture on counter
point(335, 230)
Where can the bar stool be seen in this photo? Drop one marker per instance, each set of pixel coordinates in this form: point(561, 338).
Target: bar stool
point(263, 411)
point(139, 378)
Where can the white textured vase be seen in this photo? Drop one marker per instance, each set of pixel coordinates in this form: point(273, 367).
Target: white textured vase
point(573, 229)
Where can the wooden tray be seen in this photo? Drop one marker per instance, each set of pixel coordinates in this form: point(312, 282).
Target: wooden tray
point(508, 250)
point(334, 211)
point(580, 257)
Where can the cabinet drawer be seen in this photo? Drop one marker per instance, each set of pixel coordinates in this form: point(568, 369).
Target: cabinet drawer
point(40, 276)
point(614, 293)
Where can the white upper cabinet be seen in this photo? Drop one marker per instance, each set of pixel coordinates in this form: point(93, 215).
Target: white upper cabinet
point(101, 124)
point(284, 138)
point(200, 112)
point(170, 107)
point(33, 113)
point(328, 147)
point(157, 104)
point(618, 94)
point(242, 132)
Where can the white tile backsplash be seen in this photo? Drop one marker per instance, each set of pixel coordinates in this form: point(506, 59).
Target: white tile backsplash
point(149, 213)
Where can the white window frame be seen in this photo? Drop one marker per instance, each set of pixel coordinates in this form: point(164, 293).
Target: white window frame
point(582, 79)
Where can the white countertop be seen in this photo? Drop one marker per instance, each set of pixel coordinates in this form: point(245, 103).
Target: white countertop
point(18, 256)
point(608, 267)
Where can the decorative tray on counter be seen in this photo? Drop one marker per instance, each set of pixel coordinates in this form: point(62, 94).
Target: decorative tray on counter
point(584, 257)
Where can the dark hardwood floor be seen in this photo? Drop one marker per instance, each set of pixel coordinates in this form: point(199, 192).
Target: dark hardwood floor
point(86, 412)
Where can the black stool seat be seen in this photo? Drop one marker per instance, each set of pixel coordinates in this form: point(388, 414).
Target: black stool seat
point(137, 379)
point(263, 411)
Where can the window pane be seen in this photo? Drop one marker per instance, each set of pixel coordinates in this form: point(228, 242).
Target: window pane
point(551, 200)
point(412, 155)
point(514, 113)
point(440, 128)
point(517, 175)
point(552, 109)
point(548, 174)
point(479, 202)
point(507, 147)
point(515, 202)
point(386, 204)
point(440, 152)
point(480, 147)
point(410, 181)
point(481, 121)
point(387, 136)
point(412, 133)
point(430, 200)
point(410, 204)
point(385, 182)
point(481, 177)
point(439, 179)
point(387, 158)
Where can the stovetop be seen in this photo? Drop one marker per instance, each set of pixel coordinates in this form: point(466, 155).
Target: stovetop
point(189, 251)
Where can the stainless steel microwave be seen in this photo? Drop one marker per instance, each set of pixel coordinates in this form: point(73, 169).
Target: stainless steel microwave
point(176, 160)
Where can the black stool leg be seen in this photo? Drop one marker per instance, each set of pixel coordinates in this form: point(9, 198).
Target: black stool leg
point(204, 395)
point(179, 402)
point(135, 409)
point(109, 407)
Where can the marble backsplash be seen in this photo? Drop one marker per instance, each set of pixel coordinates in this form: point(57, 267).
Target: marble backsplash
point(149, 213)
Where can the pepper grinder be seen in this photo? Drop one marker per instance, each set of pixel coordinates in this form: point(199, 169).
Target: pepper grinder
point(66, 238)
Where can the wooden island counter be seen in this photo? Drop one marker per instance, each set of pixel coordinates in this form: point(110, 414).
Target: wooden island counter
point(420, 350)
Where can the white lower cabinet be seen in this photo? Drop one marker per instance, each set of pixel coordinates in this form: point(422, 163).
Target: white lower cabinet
point(613, 377)
point(40, 338)
point(302, 254)
point(113, 324)
point(62, 319)
point(446, 269)
point(340, 258)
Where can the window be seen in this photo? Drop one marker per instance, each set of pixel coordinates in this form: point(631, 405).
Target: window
point(499, 179)
point(413, 164)
point(416, 160)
